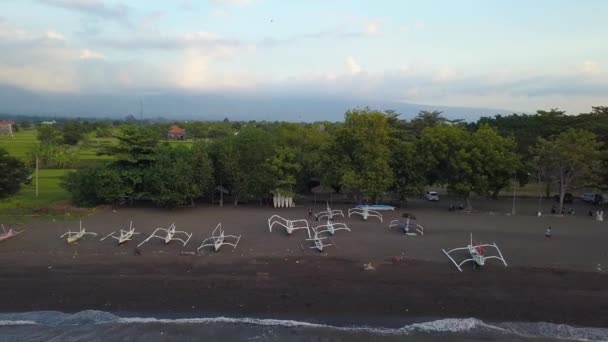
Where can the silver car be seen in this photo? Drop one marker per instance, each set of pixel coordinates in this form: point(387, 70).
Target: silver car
point(431, 196)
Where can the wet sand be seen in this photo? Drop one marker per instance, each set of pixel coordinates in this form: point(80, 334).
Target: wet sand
point(562, 280)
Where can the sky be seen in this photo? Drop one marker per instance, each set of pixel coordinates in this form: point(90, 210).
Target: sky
point(515, 55)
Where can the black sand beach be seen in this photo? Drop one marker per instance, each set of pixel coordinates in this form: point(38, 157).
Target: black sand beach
point(562, 280)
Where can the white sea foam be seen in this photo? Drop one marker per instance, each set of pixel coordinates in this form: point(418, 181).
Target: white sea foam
point(5, 323)
point(444, 326)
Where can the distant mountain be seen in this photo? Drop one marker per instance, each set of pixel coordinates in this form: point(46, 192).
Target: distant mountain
point(210, 106)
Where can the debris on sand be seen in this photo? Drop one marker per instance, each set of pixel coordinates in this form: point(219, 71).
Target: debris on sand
point(368, 266)
point(398, 259)
point(187, 253)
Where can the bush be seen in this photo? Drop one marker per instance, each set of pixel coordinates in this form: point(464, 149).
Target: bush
point(13, 173)
point(53, 157)
point(95, 185)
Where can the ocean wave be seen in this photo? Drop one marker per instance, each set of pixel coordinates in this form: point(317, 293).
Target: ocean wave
point(450, 325)
point(443, 326)
point(2, 322)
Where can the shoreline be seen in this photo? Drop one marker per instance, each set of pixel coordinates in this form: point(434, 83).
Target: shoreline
point(315, 289)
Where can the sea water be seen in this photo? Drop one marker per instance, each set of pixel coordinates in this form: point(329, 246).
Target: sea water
point(103, 326)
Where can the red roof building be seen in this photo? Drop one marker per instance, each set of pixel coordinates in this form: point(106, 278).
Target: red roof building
point(6, 127)
point(176, 133)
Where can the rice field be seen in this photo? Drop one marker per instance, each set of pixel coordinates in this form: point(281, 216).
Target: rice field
point(19, 144)
point(49, 192)
point(22, 142)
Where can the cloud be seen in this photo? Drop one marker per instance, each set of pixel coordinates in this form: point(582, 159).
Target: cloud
point(48, 62)
point(233, 2)
point(353, 67)
point(205, 61)
point(201, 40)
point(589, 67)
point(150, 22)
point(318, 35)
point(187, 5)
point(52, 35)
point(96, 8)
point(404, 29)
point(88, 54)
point(440, 85)
point(210, 41)
point(372, 28)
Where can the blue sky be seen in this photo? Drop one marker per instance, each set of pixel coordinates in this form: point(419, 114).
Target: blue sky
point(516, 55)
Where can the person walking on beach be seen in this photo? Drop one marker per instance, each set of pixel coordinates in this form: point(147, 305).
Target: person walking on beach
point(548, 233)
point(309, 213)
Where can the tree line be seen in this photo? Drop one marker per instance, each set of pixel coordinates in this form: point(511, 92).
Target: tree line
point(370, 154)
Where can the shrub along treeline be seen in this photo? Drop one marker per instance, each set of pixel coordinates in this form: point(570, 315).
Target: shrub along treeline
point(369, 154)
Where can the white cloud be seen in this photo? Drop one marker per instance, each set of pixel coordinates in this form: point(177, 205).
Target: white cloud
point(219, 13)
point(155, 41)
point(404, 29)
point(150, 22)
point(589, 67)
point(52, 35)
point(202, 60)
point(444, 73)
point(88, 54)
point(353, 66)
point(372, 28)
point(234, 2)
point(96, 8)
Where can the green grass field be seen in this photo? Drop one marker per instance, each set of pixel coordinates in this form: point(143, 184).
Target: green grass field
point(19, 144)
point(22, 142)
point(49, 192)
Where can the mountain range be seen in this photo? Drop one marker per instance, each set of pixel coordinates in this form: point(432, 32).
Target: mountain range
point(235, 106)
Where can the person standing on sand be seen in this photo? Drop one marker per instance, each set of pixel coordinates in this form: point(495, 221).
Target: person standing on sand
point(548, 233)
point(309, 213)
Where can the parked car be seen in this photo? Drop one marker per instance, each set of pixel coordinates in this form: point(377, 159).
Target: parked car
point(431, 196)
point(594, 198)
point(568, 198)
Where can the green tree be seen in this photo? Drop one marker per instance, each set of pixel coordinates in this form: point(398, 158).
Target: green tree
point(570, 159)
point(496, 162)
point(426, 119)
point(72, 132)
point(202, 168)
point(409, 169)
point(255, 150)
point(358, 157)
point(103, 130)
point(599, 110)
point(526, 129)
point(285, 168)
point(13, 173)
point(95, 185)
point(136, 146)
point(224, 157)
point(482, 162)
point(170, 180)
point(242, 163)
point(134, 153)
point(48, 135)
